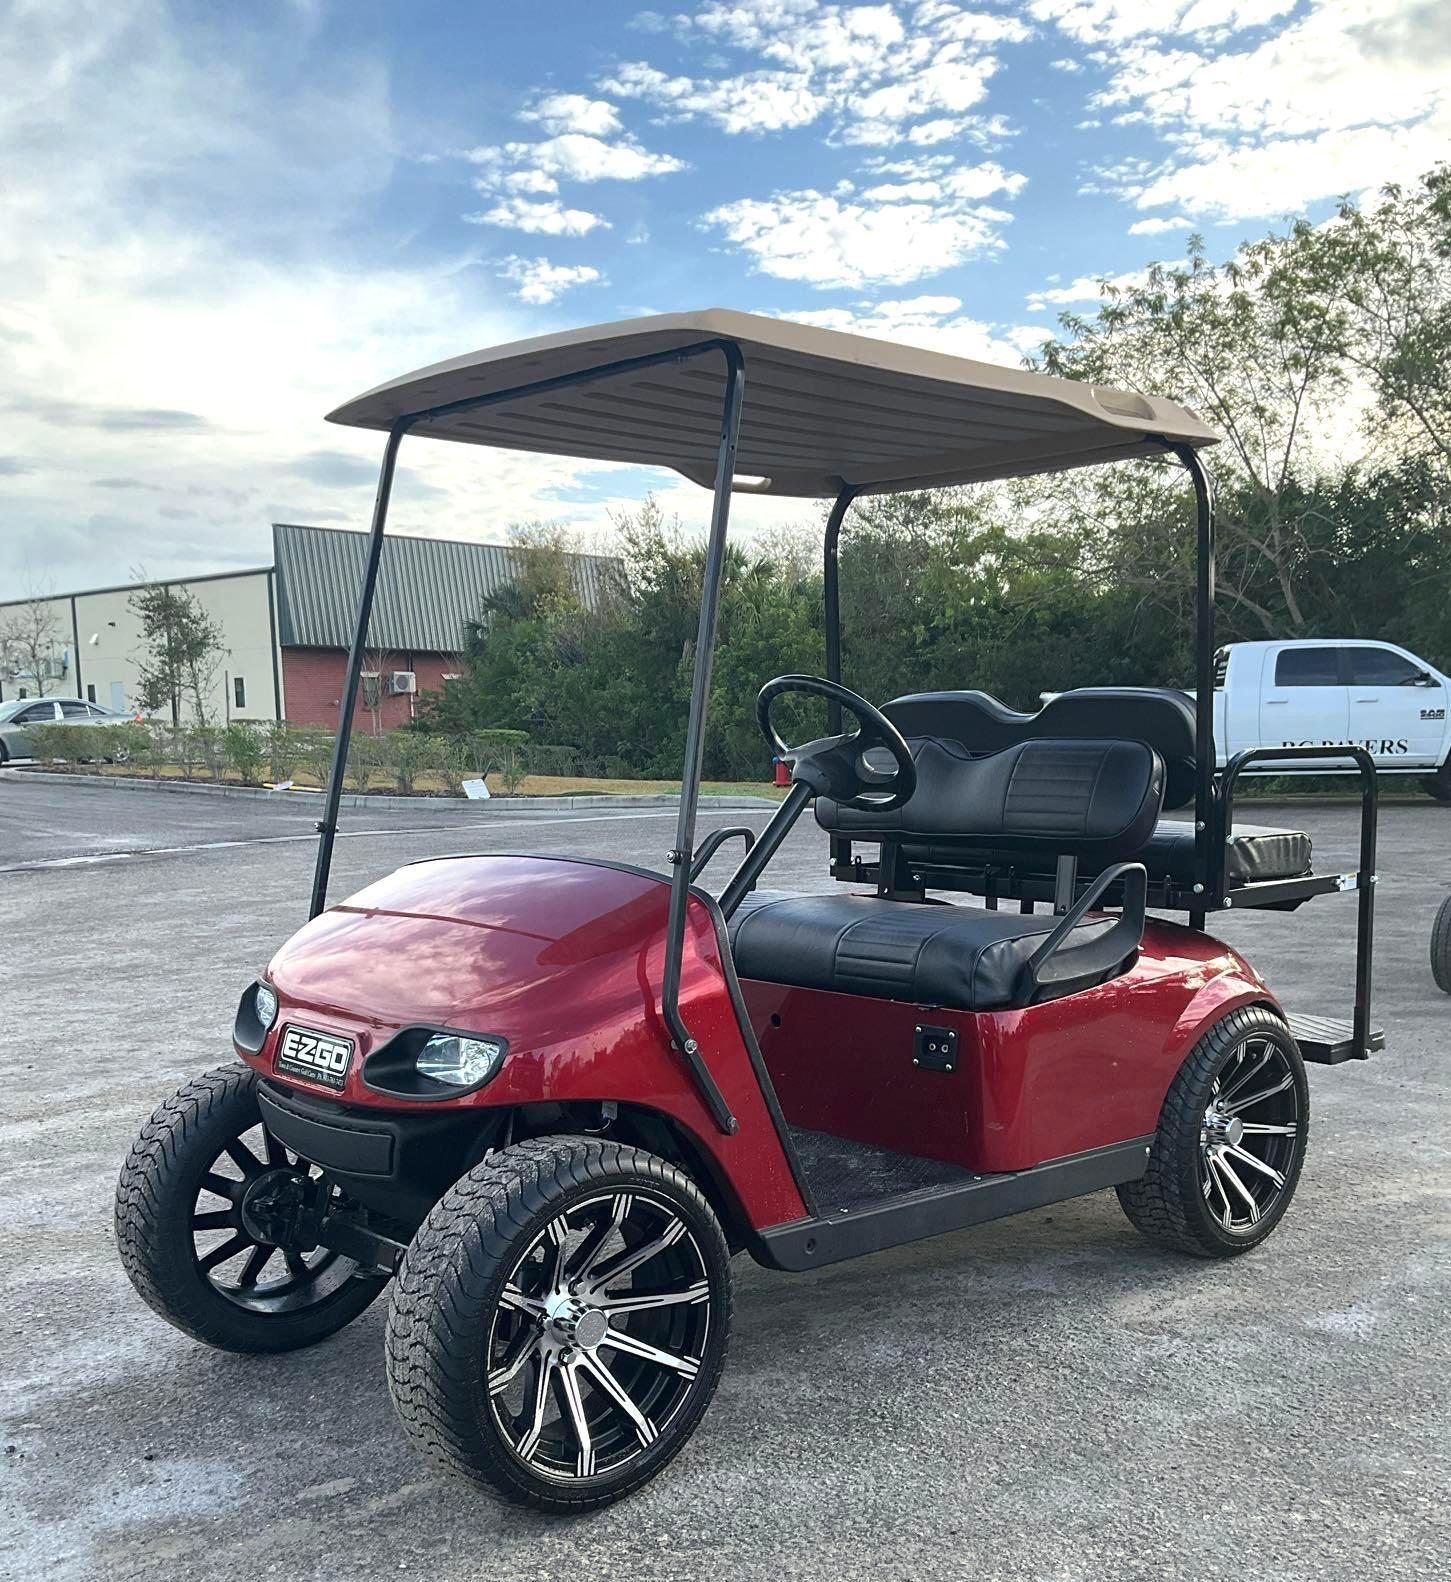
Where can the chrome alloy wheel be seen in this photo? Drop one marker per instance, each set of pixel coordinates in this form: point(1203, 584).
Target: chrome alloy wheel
point(598, 1335)
point(1247, 1139)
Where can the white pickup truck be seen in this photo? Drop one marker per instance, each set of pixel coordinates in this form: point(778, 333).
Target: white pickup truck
point(1318, 691)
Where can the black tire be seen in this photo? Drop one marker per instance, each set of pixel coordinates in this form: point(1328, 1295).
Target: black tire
point(163, 1192)
point(1175, 1201)
point(458, 1346)
point(1441, 947)
point(1438, 785)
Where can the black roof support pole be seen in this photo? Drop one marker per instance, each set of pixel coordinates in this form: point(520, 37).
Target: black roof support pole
point(680, 855)
point(1206, 830)
point(831, 597)
point(328, 824)
point(831, 601)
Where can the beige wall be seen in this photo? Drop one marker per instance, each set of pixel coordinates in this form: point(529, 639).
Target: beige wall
point(105, 658)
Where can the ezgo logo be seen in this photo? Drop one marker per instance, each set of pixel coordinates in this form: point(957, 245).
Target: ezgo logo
point(319, 1057)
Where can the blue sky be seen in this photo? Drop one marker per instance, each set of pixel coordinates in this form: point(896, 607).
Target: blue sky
point(220, 220)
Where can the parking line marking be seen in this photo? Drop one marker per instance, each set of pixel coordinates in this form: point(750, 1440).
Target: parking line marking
point(92, 859)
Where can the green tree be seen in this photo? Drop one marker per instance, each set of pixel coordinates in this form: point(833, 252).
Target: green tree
point(181, 655)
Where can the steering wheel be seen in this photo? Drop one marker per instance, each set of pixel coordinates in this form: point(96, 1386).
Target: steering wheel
point(836, 766)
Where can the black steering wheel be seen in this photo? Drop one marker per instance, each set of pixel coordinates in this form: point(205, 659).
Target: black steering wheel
point(836, 766)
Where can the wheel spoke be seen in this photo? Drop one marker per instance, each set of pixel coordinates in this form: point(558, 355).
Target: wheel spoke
point(593, 1244)
point(1258, 1098)
point(611, 1386)
point(569, 1384)
point(296, 1263)
point(503, 1376)
point(1259, 1129)
point(1244, 1076)
point(1244, 1193)
point(640, 1301)
point(623, 1263)
point(243, 1157)
point(528, 1441)
point(1212, 1175)
point(252, 1269)
point(223, 1186)
point(1248, 1158)
point(222, 1219)
point(276, 1153)
point(620, 1341)
point(228, 1249)
point(512, 1296)
point(557, 1232)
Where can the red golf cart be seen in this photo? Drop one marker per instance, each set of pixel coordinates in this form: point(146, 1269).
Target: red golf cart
point(549, 1098)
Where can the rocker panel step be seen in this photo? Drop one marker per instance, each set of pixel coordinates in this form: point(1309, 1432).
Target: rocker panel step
point(1329, 1040)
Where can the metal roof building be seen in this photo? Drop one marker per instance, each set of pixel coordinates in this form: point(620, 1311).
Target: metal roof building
point(428, 588)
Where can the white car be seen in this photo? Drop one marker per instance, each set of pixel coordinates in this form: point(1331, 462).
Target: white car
point(1335, 691)
point(20, 715)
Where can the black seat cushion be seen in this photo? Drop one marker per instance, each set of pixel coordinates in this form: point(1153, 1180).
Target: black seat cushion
point(923, 952)
point(1251, 854)
point(1097, 800)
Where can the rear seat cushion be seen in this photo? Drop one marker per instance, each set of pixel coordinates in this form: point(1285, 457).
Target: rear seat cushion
point(1252, 854)
point(925, 953)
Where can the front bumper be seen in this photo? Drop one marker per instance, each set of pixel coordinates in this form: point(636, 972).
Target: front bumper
point(399, 1163)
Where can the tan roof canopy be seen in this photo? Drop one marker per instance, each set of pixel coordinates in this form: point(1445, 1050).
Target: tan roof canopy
point(822, 409)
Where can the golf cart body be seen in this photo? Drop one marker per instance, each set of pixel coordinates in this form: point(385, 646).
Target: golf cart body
point(825, 1074)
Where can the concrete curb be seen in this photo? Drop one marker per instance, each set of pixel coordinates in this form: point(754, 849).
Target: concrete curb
point(379, 802)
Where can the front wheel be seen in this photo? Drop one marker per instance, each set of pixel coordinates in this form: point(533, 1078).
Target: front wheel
point(1441, 947)
point(1230, 1141)
point(560, 1321)
point(190, 1216)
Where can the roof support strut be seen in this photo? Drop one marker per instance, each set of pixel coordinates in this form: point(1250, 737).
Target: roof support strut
point(700, 686)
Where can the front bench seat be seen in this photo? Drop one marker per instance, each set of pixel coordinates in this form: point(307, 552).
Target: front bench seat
point(923, 952)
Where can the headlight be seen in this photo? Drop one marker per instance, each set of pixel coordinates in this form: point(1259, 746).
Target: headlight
point(264, 1002)
point(460, 1062)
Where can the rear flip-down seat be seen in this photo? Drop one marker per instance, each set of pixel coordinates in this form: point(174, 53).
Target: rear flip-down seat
point(948, 729)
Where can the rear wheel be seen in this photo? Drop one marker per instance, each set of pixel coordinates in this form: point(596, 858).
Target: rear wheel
point(192, 1205)
point(1441, 947)
point(1438, 785)
point(1230, 1142)
point(560, 1322)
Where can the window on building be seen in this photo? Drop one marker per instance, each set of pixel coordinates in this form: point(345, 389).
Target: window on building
point(1308, 667)
point(239, 692)
point(90, 691)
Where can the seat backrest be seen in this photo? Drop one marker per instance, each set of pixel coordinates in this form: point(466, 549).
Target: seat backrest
point(1098, 800)
point(1158, 716)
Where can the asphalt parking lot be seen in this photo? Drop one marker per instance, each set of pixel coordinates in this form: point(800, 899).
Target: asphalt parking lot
point(1046, 1399)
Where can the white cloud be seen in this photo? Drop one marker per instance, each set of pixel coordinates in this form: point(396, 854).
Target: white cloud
point(547, 217)
point(573, 112)
point(934, 322)
point(1158, 224)
point(881, 235)
point(1345, 95)
point(541, 282)
point(877, 76)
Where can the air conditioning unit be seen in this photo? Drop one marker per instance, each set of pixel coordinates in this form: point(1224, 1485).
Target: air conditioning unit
point(401, 681)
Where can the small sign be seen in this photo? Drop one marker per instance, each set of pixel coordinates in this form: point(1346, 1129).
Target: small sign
point(475, 790)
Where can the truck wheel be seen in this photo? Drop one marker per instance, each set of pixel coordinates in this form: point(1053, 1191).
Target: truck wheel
point(1441, 947)
point(1438, 785)
point(191, 1244)
point(1230, 1141)
point(560, 1322)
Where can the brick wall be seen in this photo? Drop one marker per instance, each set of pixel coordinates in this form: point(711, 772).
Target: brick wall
point(312, 685)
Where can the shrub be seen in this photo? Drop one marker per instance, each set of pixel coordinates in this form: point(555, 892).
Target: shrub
point(281, 742)
point(129, 743)
point(54, 744)
point(479, 752)
point(313, 753)
point(204, 745)
point(244, 748)
point(367, 759)
point(513, 770)
point(410, 754)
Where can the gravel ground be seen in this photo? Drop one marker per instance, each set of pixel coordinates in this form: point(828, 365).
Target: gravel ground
point(1047, 1398)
